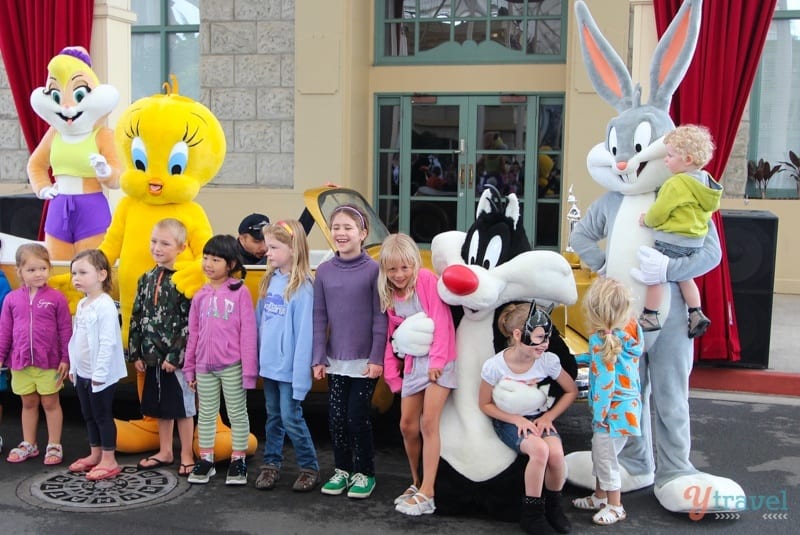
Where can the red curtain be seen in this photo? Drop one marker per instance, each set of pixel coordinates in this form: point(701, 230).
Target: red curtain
point(33, 32)
point(714, 93)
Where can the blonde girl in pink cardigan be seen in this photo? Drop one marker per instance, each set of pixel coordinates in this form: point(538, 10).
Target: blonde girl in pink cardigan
point(424, 381)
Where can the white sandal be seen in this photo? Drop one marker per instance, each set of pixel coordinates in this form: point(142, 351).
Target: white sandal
point(409, 492)
point(421, 505)
point(590, 503)
point(610, 514)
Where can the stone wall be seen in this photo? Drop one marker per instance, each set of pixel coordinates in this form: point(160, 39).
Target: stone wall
point(247, 80)
point(13, 151)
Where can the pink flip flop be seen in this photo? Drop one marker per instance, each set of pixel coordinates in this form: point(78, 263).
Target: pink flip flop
point(81, 466)
point(99, 473)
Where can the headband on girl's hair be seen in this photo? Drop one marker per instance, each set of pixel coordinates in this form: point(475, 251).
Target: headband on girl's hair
point(286, 227)
point(353, 210)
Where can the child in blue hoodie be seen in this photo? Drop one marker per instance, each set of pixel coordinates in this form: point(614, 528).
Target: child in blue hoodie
point(284, 315)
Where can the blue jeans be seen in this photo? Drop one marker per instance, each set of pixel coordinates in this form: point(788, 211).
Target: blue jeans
point(285, 417)
point(509, 434)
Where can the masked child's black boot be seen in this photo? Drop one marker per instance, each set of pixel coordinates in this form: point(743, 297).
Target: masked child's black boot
point(532, 519)
point(554, 513)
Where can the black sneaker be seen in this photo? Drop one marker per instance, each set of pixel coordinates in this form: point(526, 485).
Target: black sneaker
point(237, 473)
point(203, 471)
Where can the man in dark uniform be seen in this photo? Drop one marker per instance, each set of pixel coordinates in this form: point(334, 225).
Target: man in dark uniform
point(251, 239)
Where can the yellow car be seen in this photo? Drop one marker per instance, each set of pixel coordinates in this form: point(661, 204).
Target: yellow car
point(319, 204)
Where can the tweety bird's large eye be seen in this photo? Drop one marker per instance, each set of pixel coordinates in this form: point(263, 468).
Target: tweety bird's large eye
point(139, 154)
point(80, 93)
point(178, 157)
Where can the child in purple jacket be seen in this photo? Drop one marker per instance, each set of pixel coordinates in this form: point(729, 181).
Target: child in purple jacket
point(35, 328)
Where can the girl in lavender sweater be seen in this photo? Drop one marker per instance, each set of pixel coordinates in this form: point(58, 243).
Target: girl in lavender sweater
point(348, 347)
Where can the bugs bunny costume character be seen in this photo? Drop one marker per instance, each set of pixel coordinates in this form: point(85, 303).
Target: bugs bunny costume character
point(629, 164)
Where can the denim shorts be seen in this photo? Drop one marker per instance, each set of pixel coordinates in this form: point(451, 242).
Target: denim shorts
point(510, 436)
point(672, 250)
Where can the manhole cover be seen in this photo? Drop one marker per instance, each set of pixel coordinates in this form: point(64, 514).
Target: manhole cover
point(130, 489)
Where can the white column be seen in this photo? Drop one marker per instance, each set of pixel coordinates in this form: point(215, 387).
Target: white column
point(111, 57)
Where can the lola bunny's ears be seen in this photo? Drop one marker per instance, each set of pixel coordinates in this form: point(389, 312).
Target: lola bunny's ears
point(671, 60)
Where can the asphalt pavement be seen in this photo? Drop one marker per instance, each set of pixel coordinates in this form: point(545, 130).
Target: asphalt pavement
point(750, 438)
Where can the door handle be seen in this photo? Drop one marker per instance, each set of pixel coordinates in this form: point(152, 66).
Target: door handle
point(461, 176)
point(471, 175)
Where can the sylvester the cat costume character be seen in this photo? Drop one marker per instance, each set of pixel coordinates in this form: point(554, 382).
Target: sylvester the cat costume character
point(481, 270)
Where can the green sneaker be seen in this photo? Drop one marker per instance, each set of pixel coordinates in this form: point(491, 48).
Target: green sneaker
point(337, 484)
point(361, 486)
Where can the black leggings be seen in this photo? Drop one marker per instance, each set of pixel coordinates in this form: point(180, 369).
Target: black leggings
point(96, 410)
point(350, 402)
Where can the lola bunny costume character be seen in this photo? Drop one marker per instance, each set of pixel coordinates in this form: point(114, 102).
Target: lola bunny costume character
point(629, 163)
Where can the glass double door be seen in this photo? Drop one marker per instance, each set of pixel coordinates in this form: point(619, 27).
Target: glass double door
point(437, 154)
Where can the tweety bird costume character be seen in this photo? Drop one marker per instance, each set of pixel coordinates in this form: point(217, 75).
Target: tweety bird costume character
point(80, 152)
point(171, 146)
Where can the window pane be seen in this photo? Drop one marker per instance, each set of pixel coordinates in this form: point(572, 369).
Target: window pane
point(534, 27)
point(549, 179)
point(389, 213)
point(398, 39)
point(544, 7)
point(388, 174)
point(401, 9)
point(779, 103)
point(550, 126)
point(544, 37)
point(148, 12)
point(389, 127)
point(184, 61)
point(470, 9)
point(183, 12)
point(433, 34)
point(434, 127)
point(146, 65)
point(507, 33)
point(547, 225)
point(470, 31)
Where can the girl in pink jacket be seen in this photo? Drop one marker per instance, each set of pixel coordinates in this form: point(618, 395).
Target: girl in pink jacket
point(424, 381)
point(221, 356)
point(35, 328)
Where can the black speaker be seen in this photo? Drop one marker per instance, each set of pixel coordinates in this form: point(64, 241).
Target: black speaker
point(21, 215)
point(751, 237)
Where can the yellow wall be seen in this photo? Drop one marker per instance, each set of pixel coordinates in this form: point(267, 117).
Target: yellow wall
point(334, 95)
